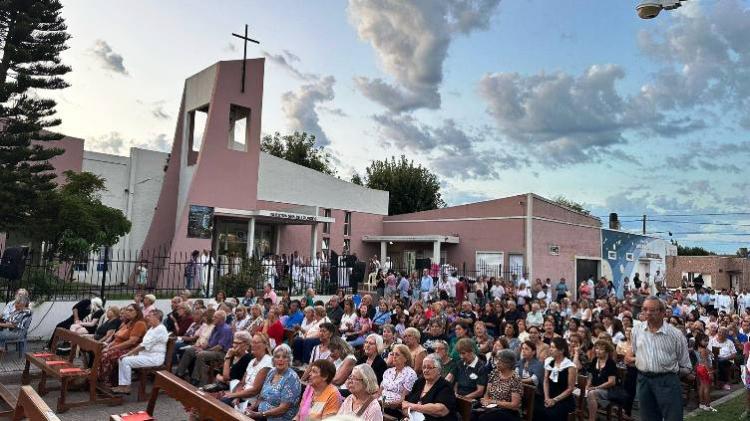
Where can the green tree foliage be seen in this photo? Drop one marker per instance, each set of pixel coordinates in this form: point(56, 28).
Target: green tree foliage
point(412, 188)
point(32, 36)
point(743, 252)
point(692, 251)
point(73, 221)
point(562, 200)
point(357, 179)
point(300, 149)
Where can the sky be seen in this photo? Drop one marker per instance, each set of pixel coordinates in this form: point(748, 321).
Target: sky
point(578, 98)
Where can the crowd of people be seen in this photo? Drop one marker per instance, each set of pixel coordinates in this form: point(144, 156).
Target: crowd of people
point(420, 342)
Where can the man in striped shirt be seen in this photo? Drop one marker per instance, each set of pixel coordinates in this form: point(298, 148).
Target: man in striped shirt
point(660, 354)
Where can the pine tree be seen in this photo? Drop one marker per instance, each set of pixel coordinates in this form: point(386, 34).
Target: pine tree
point(32, 36)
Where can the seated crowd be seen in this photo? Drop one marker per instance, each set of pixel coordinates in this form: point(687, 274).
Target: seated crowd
point(422, 349)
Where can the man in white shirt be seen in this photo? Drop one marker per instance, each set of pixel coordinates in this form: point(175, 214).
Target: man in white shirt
point(743, 301)
point(497, 290)
point(150, 353)
point(724, 302)
point(523, 281)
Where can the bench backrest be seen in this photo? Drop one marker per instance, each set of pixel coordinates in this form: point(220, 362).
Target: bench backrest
point(527, 401)
point(170, 352)
point(30, 405)
point(206, 406)
point(464, 408)
point(78, 342)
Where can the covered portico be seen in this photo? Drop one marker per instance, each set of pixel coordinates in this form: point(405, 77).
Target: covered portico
point(261, 228)
point(435, 239)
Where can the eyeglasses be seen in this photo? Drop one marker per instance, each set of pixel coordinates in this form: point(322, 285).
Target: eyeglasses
point(352, 378)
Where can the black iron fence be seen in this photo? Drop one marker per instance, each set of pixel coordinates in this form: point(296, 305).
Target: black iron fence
point(120, 274)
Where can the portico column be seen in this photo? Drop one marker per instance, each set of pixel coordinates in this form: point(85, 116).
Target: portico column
point(313, 240)
point(436, 252)
point(383, 250)
point(277, 246)
point(250, 237)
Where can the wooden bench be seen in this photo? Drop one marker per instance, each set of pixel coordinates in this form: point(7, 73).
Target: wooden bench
point(97, 394)
point(464, 408)
point(527, 402)
point(143, 372)
point(8, 400)
point(206, 406)
point(30, 405)
point(580, 412)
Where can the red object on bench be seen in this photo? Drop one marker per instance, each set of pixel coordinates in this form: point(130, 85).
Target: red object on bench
point(137, 416)
point(43, 355)
point(70, 370)
point(56, 362)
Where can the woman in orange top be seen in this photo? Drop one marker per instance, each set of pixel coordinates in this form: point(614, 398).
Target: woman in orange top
point(127, 337)
point(321, 398)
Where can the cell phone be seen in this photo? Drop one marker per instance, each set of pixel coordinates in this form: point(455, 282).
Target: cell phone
point(492, 405)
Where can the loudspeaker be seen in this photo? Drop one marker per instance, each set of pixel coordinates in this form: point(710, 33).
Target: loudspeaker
point(13, 263)
point(422, 264)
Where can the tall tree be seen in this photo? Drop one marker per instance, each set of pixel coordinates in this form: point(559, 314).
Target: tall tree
point(692, 251)
point(299, 148)
point(562, 200)
point(73, 221)
point(32, 36)
point(412, 188)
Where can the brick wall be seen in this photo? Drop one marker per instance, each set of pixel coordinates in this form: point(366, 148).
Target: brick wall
point(720, 268)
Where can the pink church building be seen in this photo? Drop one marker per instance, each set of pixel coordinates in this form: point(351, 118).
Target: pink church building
point(216, 190)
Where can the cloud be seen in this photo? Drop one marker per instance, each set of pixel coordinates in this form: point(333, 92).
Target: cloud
point(285, 60)
point(230, 47)
point(160, 143)
point(107, 58)
point(451, 151)
point(411, 40)
point(111, 143)
point(566, 119)
point(159, 113)
point(338, 112)
point(705, 58)
point(709, 156)
point(300, 107)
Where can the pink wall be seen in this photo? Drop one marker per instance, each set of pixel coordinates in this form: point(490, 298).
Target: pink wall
point(573, 241)
point(72, 159)
point(507, 206)
point(546, 209)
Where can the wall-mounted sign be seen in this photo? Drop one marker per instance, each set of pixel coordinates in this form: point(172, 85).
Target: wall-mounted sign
point(653, 256)
point(554, 250)
point(200, 222)
point(293, 216)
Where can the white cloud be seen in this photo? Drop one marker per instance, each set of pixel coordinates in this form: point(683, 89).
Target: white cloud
point(107, 58)
point(411, 39)
point(300, 107)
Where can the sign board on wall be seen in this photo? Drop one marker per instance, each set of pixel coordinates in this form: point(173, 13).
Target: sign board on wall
point(200, 222)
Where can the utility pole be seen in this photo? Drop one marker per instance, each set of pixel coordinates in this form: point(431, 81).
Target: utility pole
point(644, 224)
point(244, 53)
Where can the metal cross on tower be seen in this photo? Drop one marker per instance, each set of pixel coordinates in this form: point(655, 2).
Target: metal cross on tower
point(244, 53)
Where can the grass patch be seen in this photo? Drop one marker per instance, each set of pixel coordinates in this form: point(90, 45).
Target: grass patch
point(732, 410)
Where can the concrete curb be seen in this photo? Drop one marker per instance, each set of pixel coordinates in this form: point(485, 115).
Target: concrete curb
point(721, 400)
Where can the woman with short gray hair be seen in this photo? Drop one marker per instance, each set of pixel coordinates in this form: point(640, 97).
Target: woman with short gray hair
point(362, 403)
point(431, 395)
point(279, 397)
point(373, 346)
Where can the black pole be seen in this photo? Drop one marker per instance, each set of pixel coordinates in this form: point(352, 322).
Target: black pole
point(210, 273)
point(104, 271)
point(244, 59)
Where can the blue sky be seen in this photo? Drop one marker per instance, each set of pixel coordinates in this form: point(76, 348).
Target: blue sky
point(577, 98)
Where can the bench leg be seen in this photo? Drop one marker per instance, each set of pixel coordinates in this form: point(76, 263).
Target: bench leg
point(142, 385)
point(42, 388)
point(26, 377)
point(61, 407)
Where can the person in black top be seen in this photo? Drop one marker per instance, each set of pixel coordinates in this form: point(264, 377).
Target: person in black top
point(431, 394)
point(111, 324)
point(80, 311)
point(603, 378)
point(372, 348)
point(435, 332)
point(235, 362)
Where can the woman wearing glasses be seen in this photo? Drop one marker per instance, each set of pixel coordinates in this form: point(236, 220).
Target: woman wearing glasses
point(397, 380)
point(431, 395)
point(279, 397)
point(362, 402)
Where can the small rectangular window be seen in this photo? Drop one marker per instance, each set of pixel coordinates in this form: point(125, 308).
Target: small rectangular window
point(554, 250)
point(612, 255)
point(629, 257)
point(196, 130)
point(347, 223)
point(239, 118)
point(325, 247)
point(347, 246)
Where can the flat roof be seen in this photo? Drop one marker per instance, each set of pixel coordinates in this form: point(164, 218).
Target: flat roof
point(450, 239)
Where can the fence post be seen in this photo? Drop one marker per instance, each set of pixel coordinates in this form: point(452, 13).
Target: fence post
point(104, 272)
point(210, 273)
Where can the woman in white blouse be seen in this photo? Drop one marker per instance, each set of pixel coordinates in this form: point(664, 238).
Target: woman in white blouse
point(362, 402)
point(255, 375)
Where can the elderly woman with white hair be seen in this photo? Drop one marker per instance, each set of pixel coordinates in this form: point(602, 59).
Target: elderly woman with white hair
point(89, 323)
point(11, 306)
point(279, 397)
point(431, 394)
point(362, 403)
point(149, 304)
point(373, 347)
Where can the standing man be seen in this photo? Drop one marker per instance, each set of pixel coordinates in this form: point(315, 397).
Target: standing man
point(660, 354)
point(425, 285)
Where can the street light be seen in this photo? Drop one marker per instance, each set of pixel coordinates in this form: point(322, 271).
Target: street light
point(649, 9)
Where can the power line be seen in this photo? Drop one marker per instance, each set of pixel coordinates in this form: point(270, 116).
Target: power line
point(681, 214)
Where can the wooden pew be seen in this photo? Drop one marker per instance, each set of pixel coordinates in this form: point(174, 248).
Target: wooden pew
point(97, 394)
point(8, 400)
point(580, 412)
point(527, 402)
point(143, 372)
point(30, 405)
point(464, 408)
point(206, 406)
